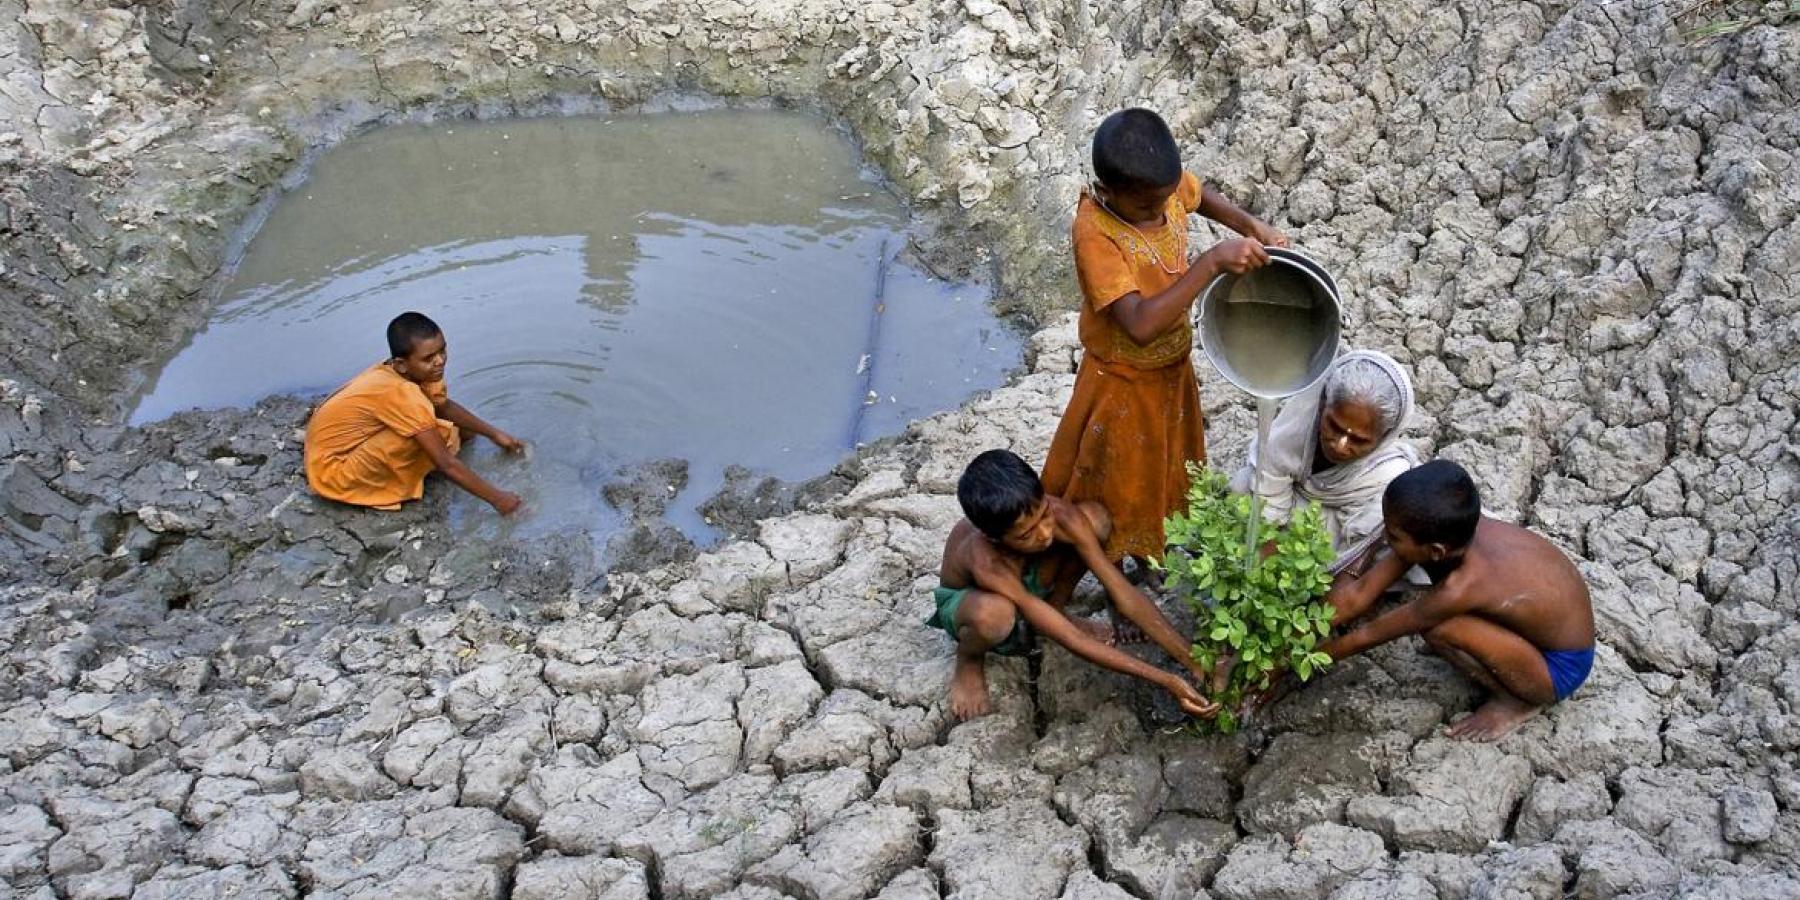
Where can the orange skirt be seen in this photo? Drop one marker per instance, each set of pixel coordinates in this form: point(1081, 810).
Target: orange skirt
point(383, 471)
point(1125, 440)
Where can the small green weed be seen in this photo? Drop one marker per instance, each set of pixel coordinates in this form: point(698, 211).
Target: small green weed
point(718, 831)
point(1704, 20)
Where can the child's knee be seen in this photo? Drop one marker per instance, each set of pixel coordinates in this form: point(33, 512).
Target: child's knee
point(1438, 636)
point(1446, 638)
point(989, 616)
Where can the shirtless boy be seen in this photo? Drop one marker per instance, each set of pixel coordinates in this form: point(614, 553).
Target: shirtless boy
point(1009, 569)
point(1505, 606)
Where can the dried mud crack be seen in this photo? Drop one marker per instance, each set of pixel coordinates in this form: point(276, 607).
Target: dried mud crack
point(1577, 229)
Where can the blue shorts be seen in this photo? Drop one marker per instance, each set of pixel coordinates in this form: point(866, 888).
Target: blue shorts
point(1568, 669)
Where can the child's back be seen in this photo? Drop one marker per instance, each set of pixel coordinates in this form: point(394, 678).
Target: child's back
point(1506, 606)
point(1523, 582)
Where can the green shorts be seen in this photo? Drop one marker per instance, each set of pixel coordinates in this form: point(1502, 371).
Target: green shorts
point(1019, 642)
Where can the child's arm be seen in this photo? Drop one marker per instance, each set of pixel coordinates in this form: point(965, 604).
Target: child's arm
point(1439, 605)
point(1074, 528)
point(1055, 626)
point(1351, 596)
point(1220, 209)
point(1147, 318)
point(446, 462)
point(462, 418)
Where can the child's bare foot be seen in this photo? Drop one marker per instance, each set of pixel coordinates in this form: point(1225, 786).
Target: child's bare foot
point(1497, 718)
point(969, 690)
point(1104, 634)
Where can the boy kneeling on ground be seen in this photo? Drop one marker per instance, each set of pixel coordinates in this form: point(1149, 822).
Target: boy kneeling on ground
point(1505, 606)
point(1011, 566)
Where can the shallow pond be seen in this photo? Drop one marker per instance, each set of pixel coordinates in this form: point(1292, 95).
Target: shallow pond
point(724, 287)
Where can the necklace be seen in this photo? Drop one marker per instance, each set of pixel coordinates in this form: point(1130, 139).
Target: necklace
point(1155, 257)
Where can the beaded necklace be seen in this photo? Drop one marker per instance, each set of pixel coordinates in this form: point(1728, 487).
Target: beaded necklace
point(1155, 257)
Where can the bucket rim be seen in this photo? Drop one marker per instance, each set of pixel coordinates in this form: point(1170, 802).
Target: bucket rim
point(1325, 287)
point(1317, 268)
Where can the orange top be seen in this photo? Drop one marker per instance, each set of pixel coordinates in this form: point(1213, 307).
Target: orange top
point(359, 442)
point(1113, 259)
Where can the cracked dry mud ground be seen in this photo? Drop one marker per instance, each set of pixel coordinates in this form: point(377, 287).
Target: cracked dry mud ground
point(1579, 231)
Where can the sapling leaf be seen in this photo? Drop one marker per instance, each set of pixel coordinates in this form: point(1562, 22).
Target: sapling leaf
point(1261, 613)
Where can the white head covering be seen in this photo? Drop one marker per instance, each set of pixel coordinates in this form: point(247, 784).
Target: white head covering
point(1350, 493)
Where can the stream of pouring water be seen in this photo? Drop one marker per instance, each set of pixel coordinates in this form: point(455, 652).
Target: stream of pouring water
point(1265, 417)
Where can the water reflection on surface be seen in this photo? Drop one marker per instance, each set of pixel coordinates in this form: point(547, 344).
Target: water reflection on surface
point(703, 286)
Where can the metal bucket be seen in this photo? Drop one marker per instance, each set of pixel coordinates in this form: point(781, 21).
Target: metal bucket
point(1291, 254)
point(1272, 331)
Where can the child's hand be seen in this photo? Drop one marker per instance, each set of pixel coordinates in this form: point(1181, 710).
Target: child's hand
point(1189, 699)
point(1239, 255)
point(508, 503)
point(508, 443)
point(1267, 234)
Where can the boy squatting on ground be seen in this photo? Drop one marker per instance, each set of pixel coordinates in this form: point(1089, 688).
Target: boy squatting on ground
point(1134, 420)
point(1505, 606)
point(372, 442)
point(1011, 566)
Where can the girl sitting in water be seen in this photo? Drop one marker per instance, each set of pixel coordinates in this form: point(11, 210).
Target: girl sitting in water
point(1337, 443)
point(373, 441)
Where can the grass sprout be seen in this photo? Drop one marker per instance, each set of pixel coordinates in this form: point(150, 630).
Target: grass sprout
point(1705, 20)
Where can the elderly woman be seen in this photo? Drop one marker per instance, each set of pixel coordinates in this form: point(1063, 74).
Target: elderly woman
point(1337, 443)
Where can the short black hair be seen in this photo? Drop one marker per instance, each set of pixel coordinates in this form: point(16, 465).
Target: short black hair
point(1134, 150)
point(996, 489)
point(1436, 503)
point(407, 330)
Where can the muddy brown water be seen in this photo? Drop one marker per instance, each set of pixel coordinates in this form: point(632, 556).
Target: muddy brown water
point(726, 287)
point(1272, 334)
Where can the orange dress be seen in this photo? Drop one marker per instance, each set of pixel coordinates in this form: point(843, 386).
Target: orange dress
point(359, 442)
point(1134, 421)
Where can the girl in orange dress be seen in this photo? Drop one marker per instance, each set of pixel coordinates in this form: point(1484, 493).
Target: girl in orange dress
point(373, 441)
point(1134, 422)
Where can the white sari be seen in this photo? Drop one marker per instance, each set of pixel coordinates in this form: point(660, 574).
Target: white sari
point(1349, 493)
